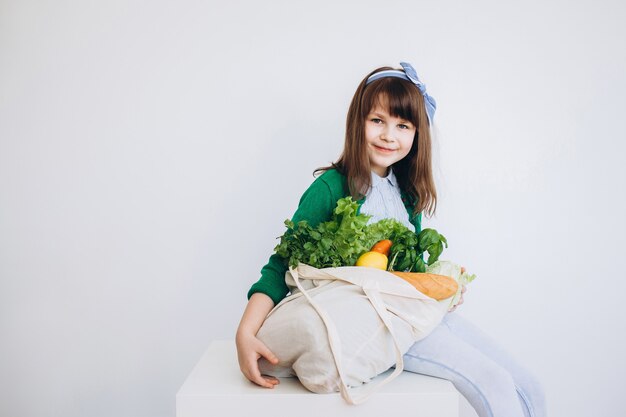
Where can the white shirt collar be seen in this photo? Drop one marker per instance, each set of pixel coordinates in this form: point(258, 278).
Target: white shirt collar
point(390, 178)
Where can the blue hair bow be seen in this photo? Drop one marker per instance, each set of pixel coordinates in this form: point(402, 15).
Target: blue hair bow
point(409, 74)
point(431, 104)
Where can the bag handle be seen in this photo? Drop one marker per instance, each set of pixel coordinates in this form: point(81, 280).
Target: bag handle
point(335, 342)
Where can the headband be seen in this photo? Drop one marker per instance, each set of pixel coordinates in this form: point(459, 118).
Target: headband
point(409, 74)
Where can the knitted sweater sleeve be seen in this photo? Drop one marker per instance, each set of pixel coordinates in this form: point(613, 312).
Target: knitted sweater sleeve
point(316, 205)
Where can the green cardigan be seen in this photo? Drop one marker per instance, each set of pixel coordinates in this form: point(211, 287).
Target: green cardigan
point(316, 206)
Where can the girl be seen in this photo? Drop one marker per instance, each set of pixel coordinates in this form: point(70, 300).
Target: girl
point(386, 167)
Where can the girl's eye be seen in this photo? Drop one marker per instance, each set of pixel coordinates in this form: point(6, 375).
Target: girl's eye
point(375, 120)
point(403, 126)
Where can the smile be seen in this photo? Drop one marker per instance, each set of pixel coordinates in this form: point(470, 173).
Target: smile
point(383, 150)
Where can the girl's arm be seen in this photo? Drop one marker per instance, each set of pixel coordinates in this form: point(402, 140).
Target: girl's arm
point(249, 348)
point(316, 205)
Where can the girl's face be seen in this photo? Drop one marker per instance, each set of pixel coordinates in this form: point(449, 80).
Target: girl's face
point(388, 138)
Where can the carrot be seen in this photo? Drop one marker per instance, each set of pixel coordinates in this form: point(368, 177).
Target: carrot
point(435, 286)
point(382, 246)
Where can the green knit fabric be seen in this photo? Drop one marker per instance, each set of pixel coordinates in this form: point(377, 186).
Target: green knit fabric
point(315, 206)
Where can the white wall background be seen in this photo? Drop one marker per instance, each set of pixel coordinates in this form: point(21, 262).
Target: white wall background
point(150, 151)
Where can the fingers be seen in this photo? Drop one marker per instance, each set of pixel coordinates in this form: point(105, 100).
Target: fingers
point(461, 300)
point(272, 380)
point(249, 351)
point(456, 305)
point(252, 372)
point(267, 354)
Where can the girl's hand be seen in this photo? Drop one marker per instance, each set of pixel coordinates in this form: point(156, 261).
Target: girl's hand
point(249, 347)
point(249, 350)
point(463, 289)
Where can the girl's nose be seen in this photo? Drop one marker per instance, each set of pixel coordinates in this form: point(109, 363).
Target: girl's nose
point(387, 135)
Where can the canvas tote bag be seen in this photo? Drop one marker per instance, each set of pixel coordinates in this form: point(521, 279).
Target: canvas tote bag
point(343, 326)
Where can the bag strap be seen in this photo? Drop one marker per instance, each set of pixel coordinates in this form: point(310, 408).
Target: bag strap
point(334, 340)
point(391, 286)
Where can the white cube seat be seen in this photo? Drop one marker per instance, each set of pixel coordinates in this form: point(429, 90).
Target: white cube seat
point(216, 387)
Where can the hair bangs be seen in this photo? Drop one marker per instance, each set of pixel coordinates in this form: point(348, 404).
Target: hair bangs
point(398, 97)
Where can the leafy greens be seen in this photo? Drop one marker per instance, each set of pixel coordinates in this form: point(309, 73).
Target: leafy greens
point(341, 240)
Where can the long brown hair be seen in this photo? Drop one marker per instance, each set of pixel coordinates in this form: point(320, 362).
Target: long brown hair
point(414, 172)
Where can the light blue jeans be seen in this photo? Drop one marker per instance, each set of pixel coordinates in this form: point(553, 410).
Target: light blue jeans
point(491, 380)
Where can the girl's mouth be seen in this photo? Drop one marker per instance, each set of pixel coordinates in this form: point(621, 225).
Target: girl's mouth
point(383, 150)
